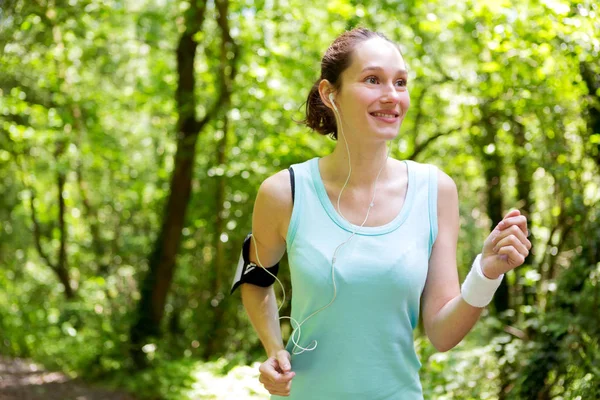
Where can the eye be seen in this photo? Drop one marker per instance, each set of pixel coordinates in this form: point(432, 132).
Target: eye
point(371, 79)
point(401, 82)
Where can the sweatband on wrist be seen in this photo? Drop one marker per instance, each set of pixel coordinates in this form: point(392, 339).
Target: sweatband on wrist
point(477, 289)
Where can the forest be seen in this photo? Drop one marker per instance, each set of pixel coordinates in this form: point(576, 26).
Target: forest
point(134, 136)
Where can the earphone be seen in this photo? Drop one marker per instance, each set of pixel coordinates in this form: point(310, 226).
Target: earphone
point(293, 337)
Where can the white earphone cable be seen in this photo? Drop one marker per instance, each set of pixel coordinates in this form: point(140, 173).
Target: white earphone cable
point(297, 328)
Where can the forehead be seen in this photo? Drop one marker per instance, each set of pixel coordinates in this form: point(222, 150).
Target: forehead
point(376, 52)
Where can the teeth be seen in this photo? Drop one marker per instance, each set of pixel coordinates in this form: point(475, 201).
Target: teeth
point(384, 115)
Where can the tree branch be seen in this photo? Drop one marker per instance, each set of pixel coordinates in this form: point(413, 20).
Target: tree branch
point(226, 77)
point(37, 235)
point(419, 147)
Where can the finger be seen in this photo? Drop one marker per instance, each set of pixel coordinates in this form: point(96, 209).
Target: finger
point(279, 378)
point(282, 386)
point(278, 387)
point(512, 241)
point(513, 231)
point(284, 378)
point(273, 389)
point(514, 258)
point(268, 371)
point(520, 221)
point(512, 213)
point(496, 234)
point(274, 383)
point(511, 236)
point(280, 393)
point(266, 380)
point(283, 358)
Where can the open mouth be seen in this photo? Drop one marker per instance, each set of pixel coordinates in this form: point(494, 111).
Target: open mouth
point(390, 116)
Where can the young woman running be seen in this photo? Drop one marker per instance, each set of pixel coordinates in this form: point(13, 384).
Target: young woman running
point(370, 240)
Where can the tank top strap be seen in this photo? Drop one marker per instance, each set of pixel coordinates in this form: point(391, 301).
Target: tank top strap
point(303, 194)
point(432, 202)
point(424, 212)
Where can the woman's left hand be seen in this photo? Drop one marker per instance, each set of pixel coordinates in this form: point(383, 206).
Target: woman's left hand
point(507, 246)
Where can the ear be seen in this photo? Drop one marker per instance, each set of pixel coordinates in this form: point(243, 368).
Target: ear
point(325, 89)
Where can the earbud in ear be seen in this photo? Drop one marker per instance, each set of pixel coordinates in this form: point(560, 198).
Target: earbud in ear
point(332, 102)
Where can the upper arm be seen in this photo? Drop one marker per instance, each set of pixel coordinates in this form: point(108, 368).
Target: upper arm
point(442, 283)
point(272, 212)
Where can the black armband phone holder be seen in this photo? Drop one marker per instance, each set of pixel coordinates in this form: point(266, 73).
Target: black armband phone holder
point(249, 272)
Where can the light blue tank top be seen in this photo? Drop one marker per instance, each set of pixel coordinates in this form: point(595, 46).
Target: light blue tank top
point(365, 347)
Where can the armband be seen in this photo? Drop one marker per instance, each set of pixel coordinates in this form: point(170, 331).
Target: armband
point(249, 272)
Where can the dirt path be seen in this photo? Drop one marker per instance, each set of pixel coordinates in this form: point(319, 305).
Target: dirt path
point(23, 380)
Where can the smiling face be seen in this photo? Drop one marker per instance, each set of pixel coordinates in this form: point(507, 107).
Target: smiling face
point(374, 98)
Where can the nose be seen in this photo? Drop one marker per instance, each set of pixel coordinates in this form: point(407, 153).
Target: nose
point(390, 95)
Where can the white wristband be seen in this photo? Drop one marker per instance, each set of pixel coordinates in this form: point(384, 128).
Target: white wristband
point(477, 289)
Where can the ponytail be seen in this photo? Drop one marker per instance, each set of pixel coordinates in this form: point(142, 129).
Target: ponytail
point(319, 117)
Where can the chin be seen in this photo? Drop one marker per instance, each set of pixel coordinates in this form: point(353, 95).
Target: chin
point(389, 133)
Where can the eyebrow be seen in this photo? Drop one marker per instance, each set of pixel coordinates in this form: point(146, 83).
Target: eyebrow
point(375, 68)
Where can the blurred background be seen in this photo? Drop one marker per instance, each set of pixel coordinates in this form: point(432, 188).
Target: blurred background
point(134, 136)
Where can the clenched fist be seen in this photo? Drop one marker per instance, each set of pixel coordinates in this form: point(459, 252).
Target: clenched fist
point(276, 373)
point(507, 246)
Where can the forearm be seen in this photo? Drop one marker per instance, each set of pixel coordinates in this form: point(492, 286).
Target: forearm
point(261, 305)
point(452, 323)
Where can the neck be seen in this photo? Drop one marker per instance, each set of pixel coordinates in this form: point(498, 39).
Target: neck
point(365, 159)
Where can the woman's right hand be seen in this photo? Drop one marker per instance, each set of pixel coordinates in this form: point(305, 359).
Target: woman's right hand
point(276, 373)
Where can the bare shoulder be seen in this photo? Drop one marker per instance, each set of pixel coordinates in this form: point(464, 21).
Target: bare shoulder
point(274, 201)
point(277, 189)
point(447, 205)
point(446, 185)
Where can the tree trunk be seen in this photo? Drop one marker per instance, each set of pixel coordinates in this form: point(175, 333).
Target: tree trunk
point(219, 301)
point(61, 267)
point(525, 199)
point(216, 272)
point(493, 166)
point(155, 286)
point(591, 76)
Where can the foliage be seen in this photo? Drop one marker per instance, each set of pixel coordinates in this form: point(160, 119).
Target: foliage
point(87, 95)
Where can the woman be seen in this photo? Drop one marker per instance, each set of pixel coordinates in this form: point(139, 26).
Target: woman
point(362, 263)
